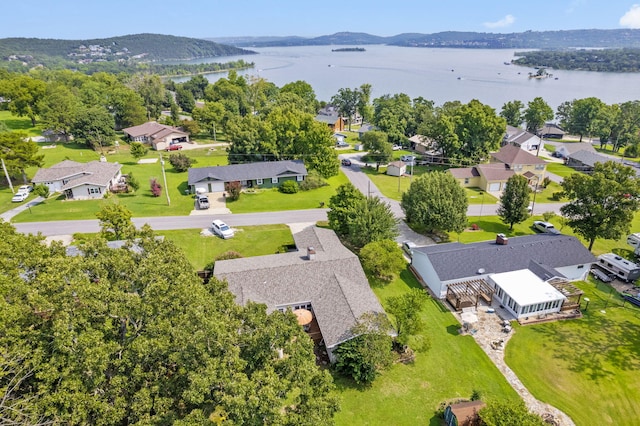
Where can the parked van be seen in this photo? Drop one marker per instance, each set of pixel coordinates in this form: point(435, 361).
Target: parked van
point(622, 268)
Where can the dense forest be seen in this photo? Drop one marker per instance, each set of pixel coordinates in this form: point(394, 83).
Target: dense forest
point(603, 60)
point(116, 54)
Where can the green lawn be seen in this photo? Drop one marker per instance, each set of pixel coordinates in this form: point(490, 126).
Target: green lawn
point(588, 367)
point(273, 200)
point(142, 204)
point(409, 394)
point(388, 185)
point(20, 123)
point(248, 241)
point(478, 196)
point(560, 169)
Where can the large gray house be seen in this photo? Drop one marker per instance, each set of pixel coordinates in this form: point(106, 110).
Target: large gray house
point(517, 269)
point(323, 277)
point(265, 174)
point(80, 180)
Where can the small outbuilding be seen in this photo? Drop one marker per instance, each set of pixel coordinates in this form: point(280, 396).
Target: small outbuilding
point(463, 413)
point(397, 168)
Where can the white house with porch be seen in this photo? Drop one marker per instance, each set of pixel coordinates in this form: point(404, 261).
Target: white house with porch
point(80, 180)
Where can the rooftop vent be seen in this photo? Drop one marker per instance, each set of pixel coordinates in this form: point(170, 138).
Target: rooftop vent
point(501, 239)
point(311, 253)
point(481, 271)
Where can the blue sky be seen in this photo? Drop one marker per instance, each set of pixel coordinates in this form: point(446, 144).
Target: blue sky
point(82, 19)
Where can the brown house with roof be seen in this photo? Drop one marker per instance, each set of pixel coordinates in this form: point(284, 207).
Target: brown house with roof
point(505, 163)
point(158, 135)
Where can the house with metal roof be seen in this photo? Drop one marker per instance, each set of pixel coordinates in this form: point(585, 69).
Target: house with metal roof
point(322, 276)
point(264, 174)
point(547, 256)
point(80, 180)
point(158, 135)
point(492, 177)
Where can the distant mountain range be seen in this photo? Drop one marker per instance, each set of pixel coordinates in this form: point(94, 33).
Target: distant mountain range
point(141, 47)
point(618, 38)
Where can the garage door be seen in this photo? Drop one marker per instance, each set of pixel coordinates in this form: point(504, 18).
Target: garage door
point(494, 187)
point(216, 186)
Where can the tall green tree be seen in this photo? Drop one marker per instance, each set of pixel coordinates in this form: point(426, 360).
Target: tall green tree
point(19, 153)
point(58, 109)
point(514, 201)
point(379, 149)
point(580, 116)
point(133, 336)
point(346, 100)
point(95, 127)
point(436, 202)
point(343, 207)
point(115, 222)
point(537, 113)
point(25, 94)
point(374, 221)
point(383, 259)
point(603, 204)
point(393, 115)
point(305, 92)
point(512, 112)
point(152, 92)
point(405, 310)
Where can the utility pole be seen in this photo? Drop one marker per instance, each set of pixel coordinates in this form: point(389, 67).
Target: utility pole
point(6, 174)
point(164, 177)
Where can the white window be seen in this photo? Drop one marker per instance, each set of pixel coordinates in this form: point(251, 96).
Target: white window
point(540, 166)
point(299, 178)
point(259, 181)
point(517, 167)
point(274, 180)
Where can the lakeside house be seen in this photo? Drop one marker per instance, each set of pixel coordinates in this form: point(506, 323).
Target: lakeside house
point(159, 136)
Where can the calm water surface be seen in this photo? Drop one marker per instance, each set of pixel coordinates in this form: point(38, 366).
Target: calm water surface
point(440, 75)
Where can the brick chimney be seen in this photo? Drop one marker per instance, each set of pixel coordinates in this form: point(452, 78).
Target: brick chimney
point(501, 239)
point(311, 253)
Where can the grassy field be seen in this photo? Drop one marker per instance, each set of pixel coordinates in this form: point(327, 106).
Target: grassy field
point(453, 367)
point(588, 367)
point(388, 185)
point(560, 169)
point(273, 200)
point(248, 241)
point(20, 123)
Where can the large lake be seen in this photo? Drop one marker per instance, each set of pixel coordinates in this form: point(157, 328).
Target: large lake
point(440, 75)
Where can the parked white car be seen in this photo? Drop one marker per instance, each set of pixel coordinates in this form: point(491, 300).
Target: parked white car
point(20, 197)
point(409, 159)
point(547, 227)
point(25, 189)
point(222, 229)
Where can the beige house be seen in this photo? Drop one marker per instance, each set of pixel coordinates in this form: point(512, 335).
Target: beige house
point(396, 168)
point(158, 135)
point(505, 163)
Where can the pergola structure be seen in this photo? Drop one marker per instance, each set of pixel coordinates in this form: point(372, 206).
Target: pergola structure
point(570, 291)
point(467, 293)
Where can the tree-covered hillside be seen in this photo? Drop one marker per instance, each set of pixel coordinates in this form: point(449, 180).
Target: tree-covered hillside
point(603, 60)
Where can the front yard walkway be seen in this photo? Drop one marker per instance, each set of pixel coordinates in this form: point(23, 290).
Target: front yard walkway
point(492, 339)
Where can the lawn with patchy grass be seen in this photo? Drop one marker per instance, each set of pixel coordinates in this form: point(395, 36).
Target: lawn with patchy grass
point(588, 367)
point(248, 241)
point(452, 367)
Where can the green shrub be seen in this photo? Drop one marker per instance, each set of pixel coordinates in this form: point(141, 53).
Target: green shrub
point(289, 187)
point(313, 181)
point(181, 162)
point(41, 190)
point(557, 196)
point(545, 182)
point(223, 256)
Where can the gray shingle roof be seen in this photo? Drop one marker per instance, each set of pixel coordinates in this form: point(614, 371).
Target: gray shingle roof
point(456, 261)
point(248, 171)
point(151, 129)
point(464, 172)
point(334, 283)
point(93, 173)
point(511, 154)
point(588, 158)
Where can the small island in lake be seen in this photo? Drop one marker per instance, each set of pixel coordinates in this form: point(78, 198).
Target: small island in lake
point(349, 49)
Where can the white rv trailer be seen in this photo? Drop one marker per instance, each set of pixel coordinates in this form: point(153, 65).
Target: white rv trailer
point(622, 268)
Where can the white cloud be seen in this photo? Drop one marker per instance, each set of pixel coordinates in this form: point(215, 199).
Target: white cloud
point(504, 22)
point(631, 19)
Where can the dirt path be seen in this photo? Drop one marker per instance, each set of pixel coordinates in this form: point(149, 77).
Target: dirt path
point(489, 332)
